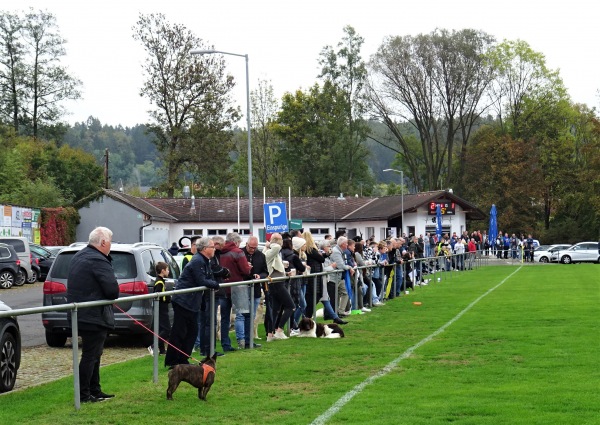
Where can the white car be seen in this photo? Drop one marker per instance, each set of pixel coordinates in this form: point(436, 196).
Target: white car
point(550, 253)
point(583, 251)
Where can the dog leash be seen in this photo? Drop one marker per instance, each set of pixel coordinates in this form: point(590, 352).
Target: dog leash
point(153, 333)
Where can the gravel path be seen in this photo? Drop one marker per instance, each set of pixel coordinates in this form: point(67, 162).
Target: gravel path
point(44, 364)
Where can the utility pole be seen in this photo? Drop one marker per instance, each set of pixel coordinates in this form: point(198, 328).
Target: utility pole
point(106, 168)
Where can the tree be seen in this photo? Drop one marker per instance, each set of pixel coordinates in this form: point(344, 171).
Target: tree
point(505, 171)
point(12, 72)
point(345, 70)
point(267, 164)
point(186, 91)
point(522, 86)
point(48, 83)
point(37, 173)
point(314, 137)
point(33, 83)
point(436, 83)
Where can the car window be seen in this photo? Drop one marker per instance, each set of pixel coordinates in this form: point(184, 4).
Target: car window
point(162, 255)
point(40, 251)
point(16, 243)
point(4, 252)
point(124, 265)
point(60, 268)
point(148, 263)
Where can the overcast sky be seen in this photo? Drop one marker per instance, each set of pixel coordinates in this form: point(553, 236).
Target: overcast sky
point(283, 40)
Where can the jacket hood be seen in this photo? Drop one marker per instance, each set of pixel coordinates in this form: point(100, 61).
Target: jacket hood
point(229, 246)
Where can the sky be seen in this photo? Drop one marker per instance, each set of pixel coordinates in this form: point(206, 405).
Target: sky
point(283, 40)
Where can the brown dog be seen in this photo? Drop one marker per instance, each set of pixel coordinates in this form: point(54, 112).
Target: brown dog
point(201, 376)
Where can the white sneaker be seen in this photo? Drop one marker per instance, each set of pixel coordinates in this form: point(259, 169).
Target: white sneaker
point(378, 304)
point(365, 309)
point(271, 338)
point(295, 332)
point(279, 335)
point(150, 350)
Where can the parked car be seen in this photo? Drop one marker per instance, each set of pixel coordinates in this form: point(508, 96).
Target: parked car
point(54, 249)
point(42, 258)
point(134, 266)
point(549, 253)
point(10, 269)
point(581, 252)
point(10, 350)
point(21, 245)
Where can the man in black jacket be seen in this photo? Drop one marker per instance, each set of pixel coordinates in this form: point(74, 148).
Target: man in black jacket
point(186, 307)
point(92, 278)
point(259, 271)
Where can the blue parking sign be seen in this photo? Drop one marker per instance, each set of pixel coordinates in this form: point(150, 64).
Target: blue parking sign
point(275, 218)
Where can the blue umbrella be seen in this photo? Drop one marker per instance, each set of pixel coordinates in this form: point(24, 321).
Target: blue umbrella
point(438, 221)
point(493, 233)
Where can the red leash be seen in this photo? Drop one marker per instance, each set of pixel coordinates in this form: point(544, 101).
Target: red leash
point(137, 322)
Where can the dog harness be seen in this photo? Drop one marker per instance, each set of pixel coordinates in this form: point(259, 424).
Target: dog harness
point(206, 369)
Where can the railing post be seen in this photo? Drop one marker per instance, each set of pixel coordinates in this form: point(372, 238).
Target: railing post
point(75, 344)
point(155, 307)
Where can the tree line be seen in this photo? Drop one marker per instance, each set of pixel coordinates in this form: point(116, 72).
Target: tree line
point(452, 109)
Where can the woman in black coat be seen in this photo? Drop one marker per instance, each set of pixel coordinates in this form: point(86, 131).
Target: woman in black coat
point(315, 260)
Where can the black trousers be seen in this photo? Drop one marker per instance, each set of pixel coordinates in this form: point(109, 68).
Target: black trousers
point(183, 335)
point(92, 345)
point(164, 325)
point(283, 304)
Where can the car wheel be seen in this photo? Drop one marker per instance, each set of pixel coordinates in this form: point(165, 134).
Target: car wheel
point(21, 281)
point(543, 259)
point(8, 362)
point(565, 259)
point(35, 276)
point(7, 279)
point(55, 340)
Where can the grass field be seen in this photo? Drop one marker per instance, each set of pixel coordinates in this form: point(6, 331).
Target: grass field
point(498, 345)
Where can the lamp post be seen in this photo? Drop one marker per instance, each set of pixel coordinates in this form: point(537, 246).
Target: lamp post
point(402, 198)
point(250, 203)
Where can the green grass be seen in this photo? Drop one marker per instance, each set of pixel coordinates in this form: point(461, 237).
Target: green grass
point(527, 353)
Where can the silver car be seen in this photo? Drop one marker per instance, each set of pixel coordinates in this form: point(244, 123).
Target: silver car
point(550, 253)
point(134, 266)
point(581, 252)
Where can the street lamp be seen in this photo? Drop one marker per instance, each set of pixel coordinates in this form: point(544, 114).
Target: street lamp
point(402, 187)
point(250, 204)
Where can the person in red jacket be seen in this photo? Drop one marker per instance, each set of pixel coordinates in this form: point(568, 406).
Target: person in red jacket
point(234, 259)
point(472, 247)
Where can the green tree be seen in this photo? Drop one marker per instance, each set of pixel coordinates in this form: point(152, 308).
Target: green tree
point(12, 69)
point(47, 82)
point(522, 86)
point(345, 70)
point(506, 172)
point(314, 133)
point(186, 91)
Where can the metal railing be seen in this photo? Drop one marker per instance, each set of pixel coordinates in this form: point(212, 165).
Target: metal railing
point(425, 266)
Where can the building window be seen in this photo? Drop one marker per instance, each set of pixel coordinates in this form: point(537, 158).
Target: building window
point(319, 231)
point(192, 232)
point(242, 232)
point(370, 232)
point(215, 232)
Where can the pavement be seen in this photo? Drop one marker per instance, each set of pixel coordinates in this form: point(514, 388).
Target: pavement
point(43, 364)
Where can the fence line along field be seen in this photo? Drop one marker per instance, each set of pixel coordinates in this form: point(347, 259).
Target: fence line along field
point(497, 345)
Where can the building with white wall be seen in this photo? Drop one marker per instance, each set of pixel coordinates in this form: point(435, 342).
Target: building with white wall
point(167, 220)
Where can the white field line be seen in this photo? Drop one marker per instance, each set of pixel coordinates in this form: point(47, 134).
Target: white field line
point(390, 366)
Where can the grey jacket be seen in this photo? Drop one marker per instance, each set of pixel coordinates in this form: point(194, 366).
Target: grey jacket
point(337, 257)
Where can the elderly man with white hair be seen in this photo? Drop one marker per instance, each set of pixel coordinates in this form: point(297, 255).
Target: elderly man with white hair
point(337, 257)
